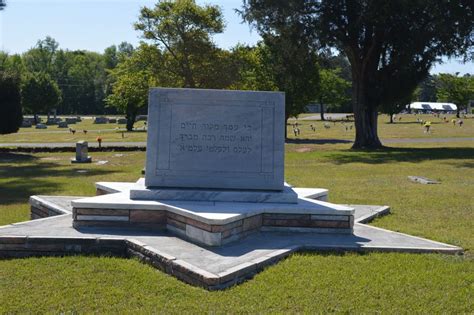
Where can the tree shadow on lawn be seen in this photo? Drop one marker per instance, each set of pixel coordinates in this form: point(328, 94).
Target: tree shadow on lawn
point(22, 181)
point(413, 123)
point(390, 155)
point(8, 157)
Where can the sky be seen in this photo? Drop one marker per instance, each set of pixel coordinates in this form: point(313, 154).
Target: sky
point(96, 24)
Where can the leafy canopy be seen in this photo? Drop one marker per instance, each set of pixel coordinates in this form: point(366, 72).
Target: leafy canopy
point(10, 103)
point(455, 89)
point(39, 93)
point(183, 30)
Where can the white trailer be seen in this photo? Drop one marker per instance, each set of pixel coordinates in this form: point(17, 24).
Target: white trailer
point(432, 107)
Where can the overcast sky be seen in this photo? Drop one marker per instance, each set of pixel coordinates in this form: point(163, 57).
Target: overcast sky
point(96, 24)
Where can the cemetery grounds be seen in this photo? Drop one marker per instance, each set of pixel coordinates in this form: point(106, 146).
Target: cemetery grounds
point(305, 282)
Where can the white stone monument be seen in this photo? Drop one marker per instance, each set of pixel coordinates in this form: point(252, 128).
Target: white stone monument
point(214, 173)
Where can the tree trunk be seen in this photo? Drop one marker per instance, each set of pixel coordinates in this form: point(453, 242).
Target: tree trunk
point(286, 126)
point(365, 118)
point(457, 112)
point(322, 110)
point(391, 118)
point(131, 117)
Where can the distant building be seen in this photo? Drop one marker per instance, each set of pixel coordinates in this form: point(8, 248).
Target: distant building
point(432, 107)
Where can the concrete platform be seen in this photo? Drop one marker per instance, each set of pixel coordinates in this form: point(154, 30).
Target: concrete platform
point(211, 217)
point(62, 205)
point(208, 267)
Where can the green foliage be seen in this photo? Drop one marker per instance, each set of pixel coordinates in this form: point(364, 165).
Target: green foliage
point(279, 63)
point(82, 77)
point(386, 66)
point(332, 89)
point(427, 90)
point(455, 89)
point(182, 30)
point(39, 93)
point(132, 80)
point(41, 57)
point(292, 66)
point(10, 103)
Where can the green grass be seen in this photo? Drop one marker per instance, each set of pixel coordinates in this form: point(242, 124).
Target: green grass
point(23, 175)
point(311, 282)
point(108, 133)
point(406, 128)
point(388, 283)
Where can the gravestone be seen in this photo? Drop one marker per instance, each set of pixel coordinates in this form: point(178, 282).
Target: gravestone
point(214, 173)
point(101, 120)
point(81, 153)
point(26, 123)
point(51, 121)
point(62, 124)
point(215, 139)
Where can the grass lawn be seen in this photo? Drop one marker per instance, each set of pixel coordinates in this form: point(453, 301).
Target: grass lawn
point(406, 128)
point(305, 282)
point(108, 133)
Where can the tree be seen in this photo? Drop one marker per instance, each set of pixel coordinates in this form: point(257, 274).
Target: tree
point(292, 66)
point(132, 79)
point(39, 93)
point(2, 4)
point(390, 45)
point(332, 89)
point(41, 57)
point(182, 30)
point(455, 89)
point(427, 89)
point(10, 103)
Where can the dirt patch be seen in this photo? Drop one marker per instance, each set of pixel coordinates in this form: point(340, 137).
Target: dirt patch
point(304, 149)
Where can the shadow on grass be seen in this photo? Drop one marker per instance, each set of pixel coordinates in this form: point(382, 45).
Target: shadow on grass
point(19, 182)
point(412, 123)
point(7, 157)
point(317, 141)
point(390, 155)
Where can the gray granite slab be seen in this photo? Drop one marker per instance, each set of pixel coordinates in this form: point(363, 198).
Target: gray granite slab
point(210, 267)
point(214, 213)
point(362, 213)
point(287, 195)
point(255, 246)
point(215, 139)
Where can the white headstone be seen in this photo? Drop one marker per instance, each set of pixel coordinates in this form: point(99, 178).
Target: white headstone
point(215, 139)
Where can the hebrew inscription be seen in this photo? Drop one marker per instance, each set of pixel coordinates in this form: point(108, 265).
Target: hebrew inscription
point(215, 139)
point(214, 134)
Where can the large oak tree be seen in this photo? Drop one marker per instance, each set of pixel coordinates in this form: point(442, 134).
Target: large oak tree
point(391, 45)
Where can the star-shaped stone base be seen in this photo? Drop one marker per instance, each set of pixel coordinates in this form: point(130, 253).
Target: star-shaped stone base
point(208, 267)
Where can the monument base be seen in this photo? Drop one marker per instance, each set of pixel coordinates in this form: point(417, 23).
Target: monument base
point(287, 195)
point(211, 223)
point(87, 160)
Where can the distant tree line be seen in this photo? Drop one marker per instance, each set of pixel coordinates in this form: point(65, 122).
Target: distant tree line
point(359, 56)
point(178, 52)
